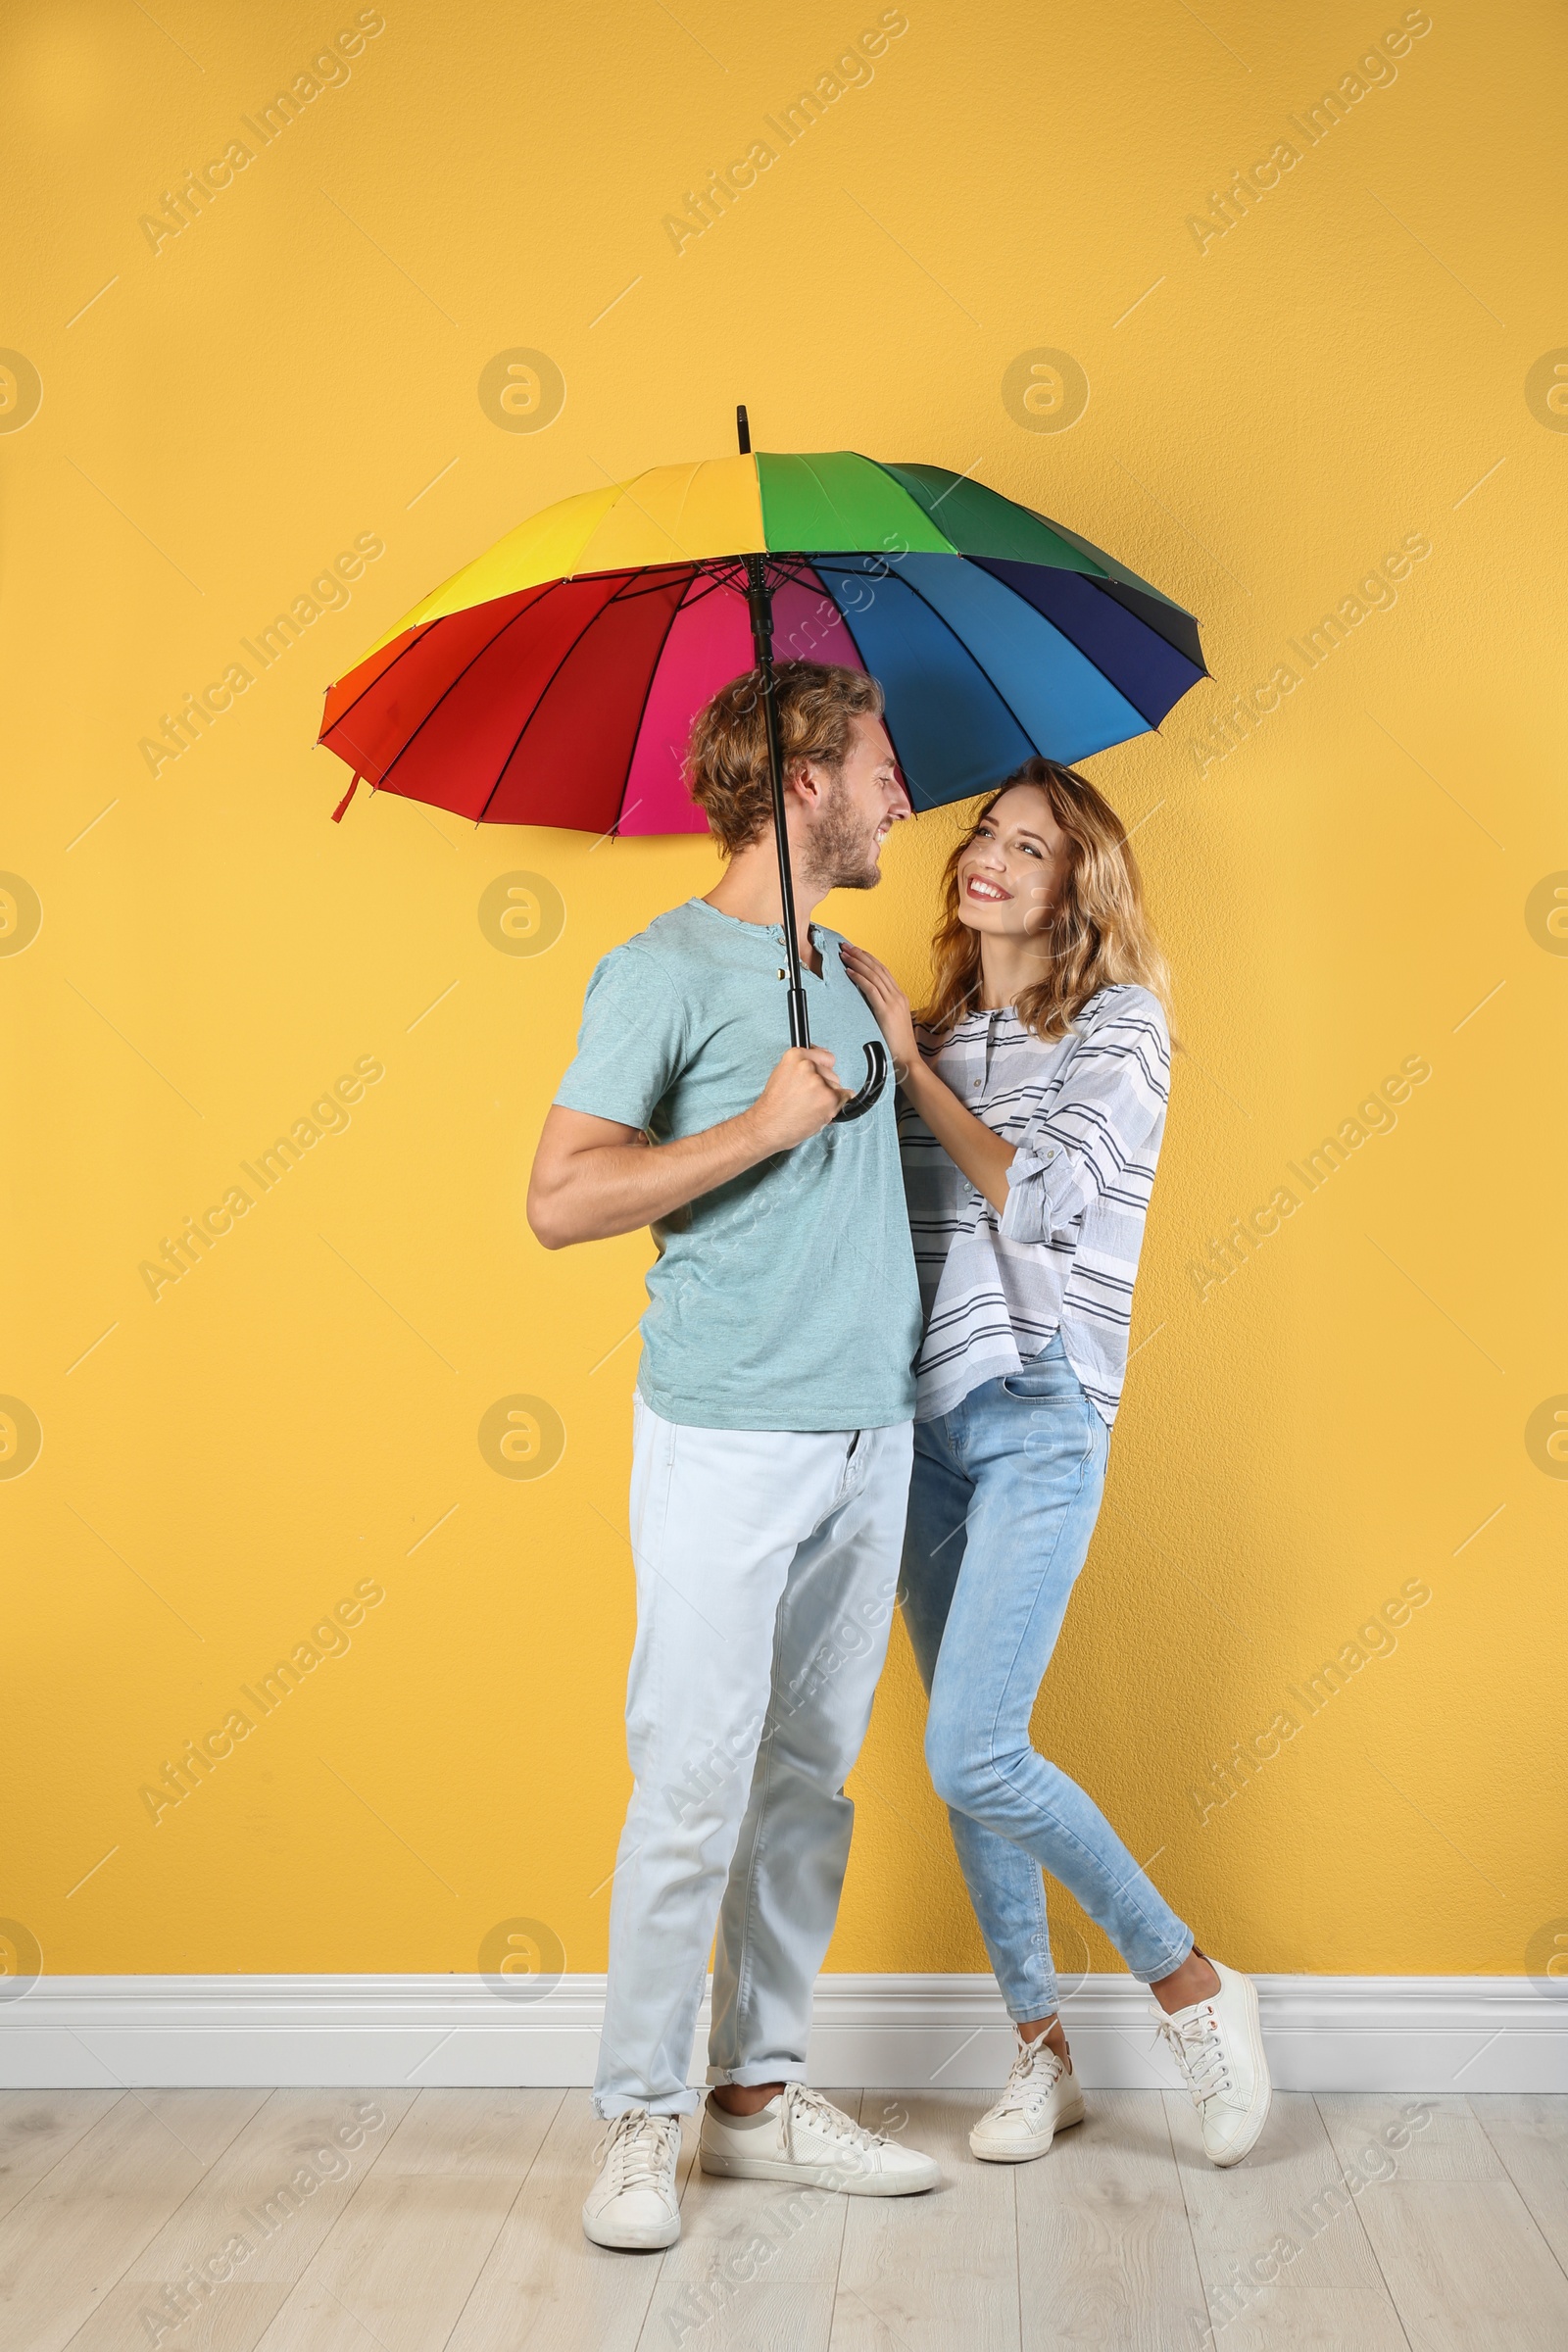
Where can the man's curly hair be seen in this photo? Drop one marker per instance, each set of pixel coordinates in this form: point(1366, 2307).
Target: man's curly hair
point(726, 759)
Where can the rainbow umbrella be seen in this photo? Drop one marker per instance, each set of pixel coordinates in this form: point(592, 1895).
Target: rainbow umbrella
point(553, 681)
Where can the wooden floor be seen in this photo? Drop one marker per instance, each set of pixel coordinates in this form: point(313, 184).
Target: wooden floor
point(453, 2226)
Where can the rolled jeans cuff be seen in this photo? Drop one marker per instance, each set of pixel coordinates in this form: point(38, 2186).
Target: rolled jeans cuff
point(766, 2069)
point(1023, 2009)
point(675, 2102)
point(1166, 1968)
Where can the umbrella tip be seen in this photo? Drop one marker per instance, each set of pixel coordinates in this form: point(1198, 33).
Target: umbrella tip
point(743, 431)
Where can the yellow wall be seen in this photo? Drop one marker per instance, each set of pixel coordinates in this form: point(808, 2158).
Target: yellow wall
point(1271, 411)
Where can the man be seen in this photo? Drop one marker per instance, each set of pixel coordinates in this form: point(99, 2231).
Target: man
point(772, 1451)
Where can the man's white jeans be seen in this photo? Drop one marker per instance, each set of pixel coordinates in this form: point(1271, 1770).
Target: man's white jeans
point(767, 1566)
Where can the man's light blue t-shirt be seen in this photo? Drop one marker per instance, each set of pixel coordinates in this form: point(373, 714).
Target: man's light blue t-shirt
point(787, 1298)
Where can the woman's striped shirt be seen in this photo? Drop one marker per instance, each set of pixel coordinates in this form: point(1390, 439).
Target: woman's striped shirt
point(1087, 1112)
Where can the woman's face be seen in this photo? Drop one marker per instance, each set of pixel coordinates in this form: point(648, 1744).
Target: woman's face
point(1011, 872)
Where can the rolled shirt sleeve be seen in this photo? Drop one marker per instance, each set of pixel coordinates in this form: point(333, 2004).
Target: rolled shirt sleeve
point(1111, 1102)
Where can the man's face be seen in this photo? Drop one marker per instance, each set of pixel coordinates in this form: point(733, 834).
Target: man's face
point(853, 809)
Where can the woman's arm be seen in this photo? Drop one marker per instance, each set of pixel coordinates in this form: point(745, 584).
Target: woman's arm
point(1104, 1123)
point(972, 1147)
point(1113, 1102)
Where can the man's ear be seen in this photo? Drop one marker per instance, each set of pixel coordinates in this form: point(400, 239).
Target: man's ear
point(802, 777)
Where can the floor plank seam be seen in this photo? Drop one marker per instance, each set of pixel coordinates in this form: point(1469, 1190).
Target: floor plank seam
point(1518, 2188)
point(1445, 2216)
point(844, 2231)
point(1017, 2248)
point(1165, 2098)
point(121, 2275)
point(1390, 2296)
point(337, 2223)
point(527, 2175)
point(77, 2144)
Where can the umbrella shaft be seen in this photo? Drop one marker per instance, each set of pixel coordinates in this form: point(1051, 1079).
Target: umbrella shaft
point(761, 611)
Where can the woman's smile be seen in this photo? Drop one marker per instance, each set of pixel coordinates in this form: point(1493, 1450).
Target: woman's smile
point(989, 893)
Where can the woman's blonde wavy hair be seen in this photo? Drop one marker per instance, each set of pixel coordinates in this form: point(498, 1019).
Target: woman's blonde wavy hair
point(1098, 933)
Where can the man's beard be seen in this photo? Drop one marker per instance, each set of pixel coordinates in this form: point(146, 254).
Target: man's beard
point(843, 854)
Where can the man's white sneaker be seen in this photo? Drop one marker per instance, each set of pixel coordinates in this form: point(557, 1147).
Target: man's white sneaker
point(632, 2203)
point(800, 2135)
point(1042, 2098)
point(1218, 2046)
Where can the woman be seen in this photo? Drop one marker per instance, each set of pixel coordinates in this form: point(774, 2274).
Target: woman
point(1034, 1100)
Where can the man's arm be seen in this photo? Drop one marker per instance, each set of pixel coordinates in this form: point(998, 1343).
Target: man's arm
point(593, 1177)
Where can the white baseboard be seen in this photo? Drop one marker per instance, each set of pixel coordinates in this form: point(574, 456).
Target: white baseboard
point(1432, 2035)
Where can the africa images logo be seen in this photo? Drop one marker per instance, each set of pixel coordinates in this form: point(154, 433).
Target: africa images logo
point(328, 1114)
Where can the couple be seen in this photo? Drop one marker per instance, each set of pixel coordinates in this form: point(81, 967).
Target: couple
point(832, 1417)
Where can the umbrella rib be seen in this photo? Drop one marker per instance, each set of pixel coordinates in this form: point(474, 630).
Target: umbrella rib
point(974, 656)
point(680, 511)
point(418, 639)
point(648, 693)
point(1066, 635)
point(534, 713)
point(713, 578)
point(1112, 573)
point(452, 684)
point(1050, 625)
point(915, 503)
point(634, 584)
point(1102, 576)
point(1136, 600)
point(844, 622)
point(827, 494)
point(710, 573)
point(693, 468)
point(417, 636)
point(539, 700)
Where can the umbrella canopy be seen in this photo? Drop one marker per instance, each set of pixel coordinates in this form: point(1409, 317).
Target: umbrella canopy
point(553, 681)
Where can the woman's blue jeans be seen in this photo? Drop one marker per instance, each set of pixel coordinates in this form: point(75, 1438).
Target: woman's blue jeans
point(1003, 1502)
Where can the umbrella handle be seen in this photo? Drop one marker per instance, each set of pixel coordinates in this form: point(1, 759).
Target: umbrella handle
point(876, 1078)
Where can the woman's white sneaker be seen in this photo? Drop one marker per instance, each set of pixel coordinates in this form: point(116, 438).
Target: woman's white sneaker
point(1042, 2098)
point(633, 2204)
point(800, 2135)
point(1218, 2047)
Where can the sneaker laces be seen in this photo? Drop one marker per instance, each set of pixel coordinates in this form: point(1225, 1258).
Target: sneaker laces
point(636, 2150)
point(807, 2109)
point(1036, 2069)
point(1195, 2044)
